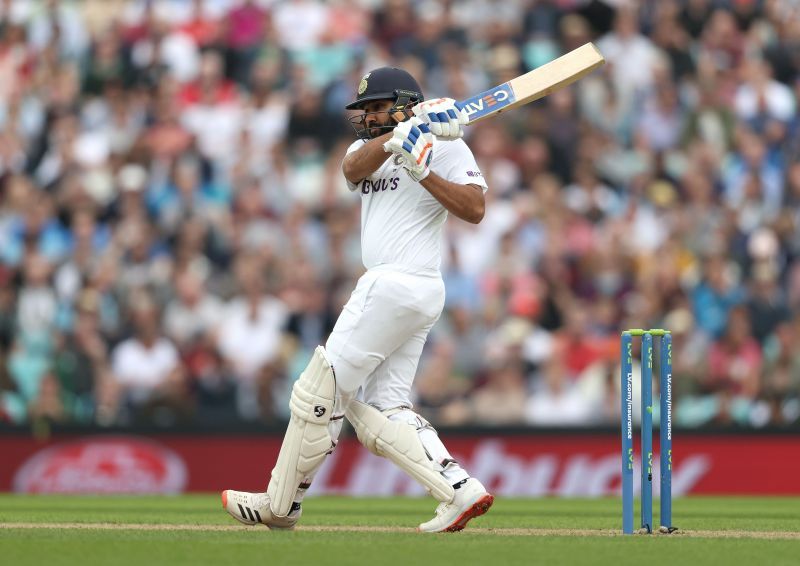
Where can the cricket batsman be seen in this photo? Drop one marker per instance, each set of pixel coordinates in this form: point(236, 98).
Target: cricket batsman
point(411, 168)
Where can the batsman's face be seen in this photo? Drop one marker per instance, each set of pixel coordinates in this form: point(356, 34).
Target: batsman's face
point(376, 119)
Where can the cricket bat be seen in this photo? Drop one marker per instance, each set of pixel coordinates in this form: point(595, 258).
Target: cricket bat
point(533, 85)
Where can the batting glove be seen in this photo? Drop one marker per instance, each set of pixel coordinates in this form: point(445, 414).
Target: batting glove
point(444, 118)
point(412, 144)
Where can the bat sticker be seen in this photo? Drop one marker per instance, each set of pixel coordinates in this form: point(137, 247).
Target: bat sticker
point(489, 101)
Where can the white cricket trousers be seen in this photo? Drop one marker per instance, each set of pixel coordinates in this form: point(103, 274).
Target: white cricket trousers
point(375, 347)
point(377, 340)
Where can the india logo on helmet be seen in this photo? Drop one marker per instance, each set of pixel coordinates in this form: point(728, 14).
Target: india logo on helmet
point(362, 86)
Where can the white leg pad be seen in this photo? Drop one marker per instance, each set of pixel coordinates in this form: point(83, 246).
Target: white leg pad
point(307, 438)
point(400, 443)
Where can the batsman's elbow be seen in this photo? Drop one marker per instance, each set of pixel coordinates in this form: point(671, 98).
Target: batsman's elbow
point(477, 213)
point(349, 172)
point(477, 208)
point(480, 207)
point(480, 214)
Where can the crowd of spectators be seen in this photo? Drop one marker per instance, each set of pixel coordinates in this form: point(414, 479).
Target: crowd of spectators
point(176, 235)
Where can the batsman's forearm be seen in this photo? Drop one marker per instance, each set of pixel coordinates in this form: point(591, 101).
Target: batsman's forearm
point(464, 201)
point(363, 162)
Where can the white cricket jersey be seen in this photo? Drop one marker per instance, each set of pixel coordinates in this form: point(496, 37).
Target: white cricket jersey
point(401, 222)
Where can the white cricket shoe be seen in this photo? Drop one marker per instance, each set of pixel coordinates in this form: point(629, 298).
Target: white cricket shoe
point(253, 508)
point(471, 500)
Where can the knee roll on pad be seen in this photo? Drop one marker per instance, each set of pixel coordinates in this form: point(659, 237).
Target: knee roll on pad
point(399, 442)
point(307, 438)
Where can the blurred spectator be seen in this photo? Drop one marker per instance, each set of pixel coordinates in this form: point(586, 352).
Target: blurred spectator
point(734, 363)
point(191, 320)
point(710, 122)
point(157, 49)
point(579, 347)
point(106, 66)
point(188, 194)
point(165, 137)
point(143, 260)
point(310, 318)
point(499, 401)
point(81, 360)
point(37, 307)
point(760, 98)
point(211, 110)
point(630, 54)
point(202, 27)
point(662, 121)
point(558, 401)
point(721, 40)
point(34, 230)
point(438, 385)
point(146, 370)
point(753, 180)
point(48, 404)
point(264, 123)
point(767, 304)
point(245, 27)
point(715, 296)
point(193, 314)
point(249, 337)
point(58, 22)
point(34, 329)
point(780, 52)
point(299, 24)
point(8, 297)
point(102, 279)
point(782, 374)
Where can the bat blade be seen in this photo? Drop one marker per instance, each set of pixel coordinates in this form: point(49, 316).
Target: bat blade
point(533, 85)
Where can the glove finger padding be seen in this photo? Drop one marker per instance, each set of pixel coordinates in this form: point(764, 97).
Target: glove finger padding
point(443, 116)
point(412, 141)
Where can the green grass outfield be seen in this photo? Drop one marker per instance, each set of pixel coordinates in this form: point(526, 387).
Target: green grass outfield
point(194, 530)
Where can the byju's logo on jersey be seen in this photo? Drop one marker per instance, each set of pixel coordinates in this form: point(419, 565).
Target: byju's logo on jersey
point(368, 186)
point(488, 101)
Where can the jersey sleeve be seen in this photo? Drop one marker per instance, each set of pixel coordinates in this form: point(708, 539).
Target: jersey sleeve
point(353, 146)
point(453, 160)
